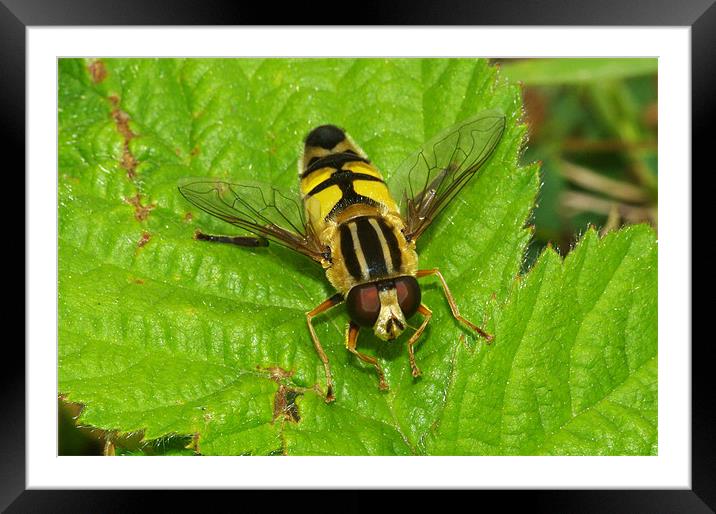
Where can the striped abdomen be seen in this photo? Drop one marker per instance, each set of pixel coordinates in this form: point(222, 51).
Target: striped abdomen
point(335, 175)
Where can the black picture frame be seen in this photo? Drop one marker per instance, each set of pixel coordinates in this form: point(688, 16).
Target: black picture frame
point(700, 15)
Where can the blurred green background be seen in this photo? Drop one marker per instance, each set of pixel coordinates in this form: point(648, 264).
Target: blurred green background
point(593, 125)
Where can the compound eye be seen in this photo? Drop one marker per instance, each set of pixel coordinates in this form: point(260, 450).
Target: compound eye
point(363, 304)
point(408, 295)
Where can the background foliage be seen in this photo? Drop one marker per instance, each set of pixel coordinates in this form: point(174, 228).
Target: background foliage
point(593, 127)
point(169, 343)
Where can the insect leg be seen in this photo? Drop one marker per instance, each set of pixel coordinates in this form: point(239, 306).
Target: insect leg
point(453, 305)
point(427, 314)
point(234, 240)
point(351, 342)
point(331, 302)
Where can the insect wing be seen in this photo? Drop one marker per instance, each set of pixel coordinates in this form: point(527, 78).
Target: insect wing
point(257, 208)
point(432, 176)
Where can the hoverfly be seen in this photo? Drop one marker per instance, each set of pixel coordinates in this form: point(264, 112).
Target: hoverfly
point(348, 221)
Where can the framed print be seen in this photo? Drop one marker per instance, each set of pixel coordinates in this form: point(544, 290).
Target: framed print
point(459, 286)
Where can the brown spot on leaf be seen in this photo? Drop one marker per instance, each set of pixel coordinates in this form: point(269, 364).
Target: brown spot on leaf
point(194, 151)
point(194, 445)
point(121, 119)
point(129, 163)
point(146, 236)
point(188, 216)
point(97, 71)
point(138, 281)
point(284, 404)
point(141, 212)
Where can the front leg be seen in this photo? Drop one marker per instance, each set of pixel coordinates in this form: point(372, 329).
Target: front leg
point(352, 342)
point(453, 305)
point(427, 314)
point(331, 302)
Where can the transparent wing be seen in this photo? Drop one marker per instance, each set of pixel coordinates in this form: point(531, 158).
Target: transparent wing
point(432, 176)
point(257, 208)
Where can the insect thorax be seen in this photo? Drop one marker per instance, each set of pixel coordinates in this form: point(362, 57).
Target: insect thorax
point(367, 245)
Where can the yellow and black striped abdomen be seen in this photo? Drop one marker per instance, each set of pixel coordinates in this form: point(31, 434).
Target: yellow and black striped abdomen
point(336, 174)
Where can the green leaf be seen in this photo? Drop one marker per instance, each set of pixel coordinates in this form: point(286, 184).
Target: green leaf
point(167, 335)
point(544, 72)
point(573, 369)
